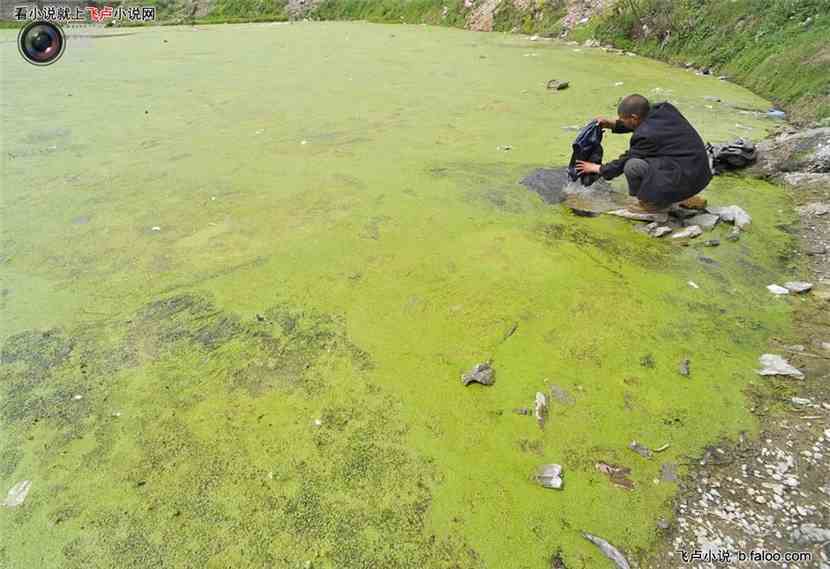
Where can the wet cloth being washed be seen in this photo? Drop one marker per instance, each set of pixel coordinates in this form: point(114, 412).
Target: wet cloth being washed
point(587, 146)
point(672, 162)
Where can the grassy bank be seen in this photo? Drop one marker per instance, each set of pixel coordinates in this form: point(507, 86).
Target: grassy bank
point(779, 49)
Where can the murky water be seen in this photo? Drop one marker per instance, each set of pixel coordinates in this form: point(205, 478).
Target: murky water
point(243, 268)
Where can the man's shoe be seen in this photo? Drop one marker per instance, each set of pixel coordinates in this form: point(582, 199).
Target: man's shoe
point(646, 207)
point(694, 202)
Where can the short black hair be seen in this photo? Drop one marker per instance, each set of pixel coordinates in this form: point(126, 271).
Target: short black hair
point(634, 105)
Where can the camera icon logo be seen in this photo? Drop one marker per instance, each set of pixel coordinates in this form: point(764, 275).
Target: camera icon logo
point(41, 42)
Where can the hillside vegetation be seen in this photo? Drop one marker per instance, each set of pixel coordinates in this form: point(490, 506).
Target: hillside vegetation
point(778, 48)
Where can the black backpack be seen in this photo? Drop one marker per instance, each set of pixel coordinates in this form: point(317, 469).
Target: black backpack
point(734, 155)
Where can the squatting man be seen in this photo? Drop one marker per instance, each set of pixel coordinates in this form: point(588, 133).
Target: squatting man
point(666, 162)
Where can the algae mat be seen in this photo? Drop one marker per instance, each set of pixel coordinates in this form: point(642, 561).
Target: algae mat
point(245, 266)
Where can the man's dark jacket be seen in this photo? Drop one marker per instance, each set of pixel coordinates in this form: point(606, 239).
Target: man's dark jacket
point(679, 164)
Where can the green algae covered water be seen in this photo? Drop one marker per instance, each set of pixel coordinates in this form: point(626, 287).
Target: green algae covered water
point(243, 268)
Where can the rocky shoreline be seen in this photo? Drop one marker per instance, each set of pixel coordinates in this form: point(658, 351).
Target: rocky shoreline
point(769, 498)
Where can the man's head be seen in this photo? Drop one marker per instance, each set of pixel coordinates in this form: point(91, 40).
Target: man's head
point(633, 110)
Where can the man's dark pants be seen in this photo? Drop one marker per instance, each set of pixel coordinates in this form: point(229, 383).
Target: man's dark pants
point(635, 170)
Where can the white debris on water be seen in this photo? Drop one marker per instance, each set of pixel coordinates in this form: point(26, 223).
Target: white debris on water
point(777, 289)
point(732, 214)
point(550, 476)
point(17, 494)
point(608, 550)
point(540, 408)
point(772, 364)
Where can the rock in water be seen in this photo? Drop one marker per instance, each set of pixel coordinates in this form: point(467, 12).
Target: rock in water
point(658, 217)
point(540, 409)
point(772, 364)
point(557, 85)
point(654, 229)
point(706, 221)
point(798, 286)
point(732, 214)
point(563, 396)
point(776, 289)
point(734, 234)
point(17, 494)
point(668, 472)
point(481, 373)
point(640, 449)
point(617, 475)
point(608, 550)
point(550, 476)
point(688, 233)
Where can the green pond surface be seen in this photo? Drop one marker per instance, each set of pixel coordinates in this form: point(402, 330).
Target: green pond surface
point(244, 267)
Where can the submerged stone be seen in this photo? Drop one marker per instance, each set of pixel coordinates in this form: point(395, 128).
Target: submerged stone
point(668, 472)
point(561, 395)
point(554, 186)
point(706, 221)
point(617, 475)
point(640, 449)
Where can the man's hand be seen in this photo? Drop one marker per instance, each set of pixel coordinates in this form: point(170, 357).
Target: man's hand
point(605, 122)
point(583, 167)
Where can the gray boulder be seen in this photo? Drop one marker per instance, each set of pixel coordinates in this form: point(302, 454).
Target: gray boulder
point(810, 533)
point(481, 373)
point(706, 221)
point(804, 151)
point(732, 214)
